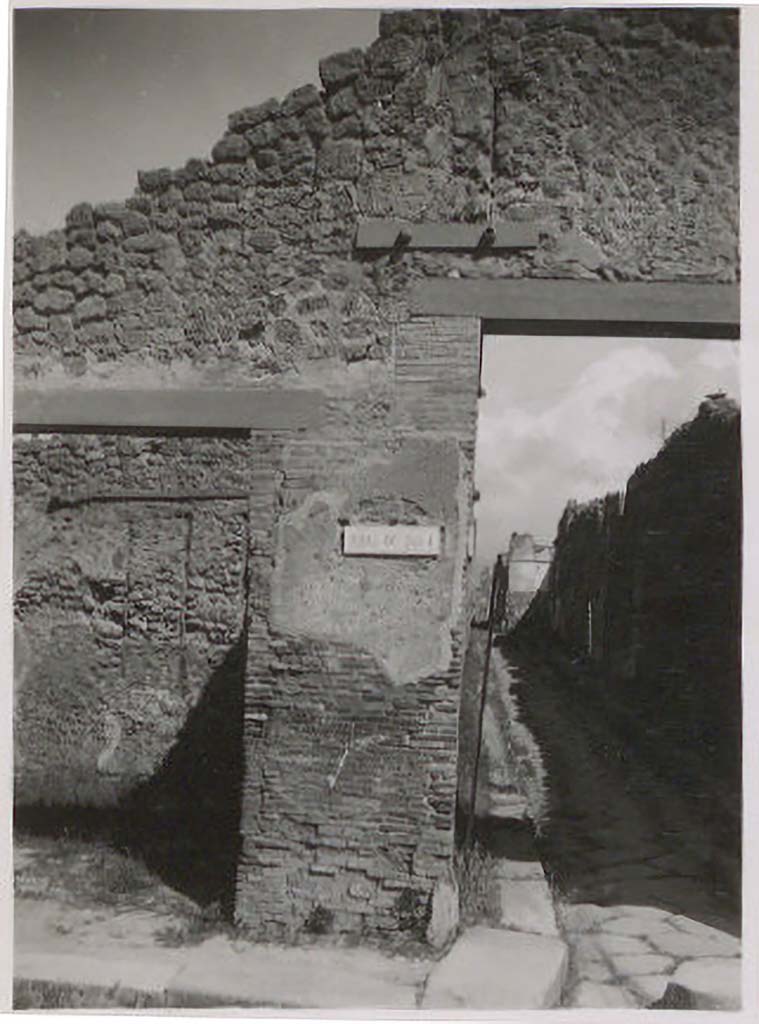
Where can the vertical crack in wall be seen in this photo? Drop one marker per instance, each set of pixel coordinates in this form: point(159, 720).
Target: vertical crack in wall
point(493, 125)
point(189, 522)
point(127, 590)
point(245, 623)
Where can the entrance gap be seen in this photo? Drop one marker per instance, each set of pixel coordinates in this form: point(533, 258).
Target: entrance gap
point(612, 718)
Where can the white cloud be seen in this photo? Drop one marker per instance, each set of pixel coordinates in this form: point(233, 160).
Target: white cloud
point(587, 433)
point(719, 356)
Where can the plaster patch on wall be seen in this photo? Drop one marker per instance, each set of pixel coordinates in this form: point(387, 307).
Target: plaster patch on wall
point(397, 609)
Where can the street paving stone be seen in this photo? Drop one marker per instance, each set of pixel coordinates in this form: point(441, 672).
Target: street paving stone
point(680, 945)
point(649, 987)
point(619, 945)
point(714, 981)
point(626, 956)
point(646, 963)
point(594, 970)
point(632, 925)
point(591, 995)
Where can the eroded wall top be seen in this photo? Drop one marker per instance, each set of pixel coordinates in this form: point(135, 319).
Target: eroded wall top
point(616, 130)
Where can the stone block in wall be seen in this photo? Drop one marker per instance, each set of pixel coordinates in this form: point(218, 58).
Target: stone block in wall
point(148, 241)
point(48, 252)
point(230, 149)
point(297, 159)
point(23, 293)
point(26, 319)
point(84, 237)
point(350, 127)
point(267, 162)
point(155, 181)
point(264, 135)
point(134, 223)
point(342, 103)
point(140, 203)
point(197, 191)
point(410, 23)
point(107, 232)
point(315, 122)
point(53, 300)
point(91, 308)
point(300, 99)
point(393, 56)
point(223, 215)
point(249, 117)
point(341, 67)
point(80, 216)
point(341, 161)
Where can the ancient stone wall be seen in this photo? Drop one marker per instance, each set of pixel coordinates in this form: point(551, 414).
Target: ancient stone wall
point(616, 131)
point(126, 603)
point(577, 584)
point(680, 590)
point(661, 575)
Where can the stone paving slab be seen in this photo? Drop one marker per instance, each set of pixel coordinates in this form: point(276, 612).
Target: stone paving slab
point(507, 870)
point(649, 987)
point(691, 944)
point(526, 906)
point(639, 952)
point(506, 806)
point(635, 926)
point(493, 969)
point(593, 970)
point(592, 995)
point(605, 945)
point(645, 963)
point(715, 983)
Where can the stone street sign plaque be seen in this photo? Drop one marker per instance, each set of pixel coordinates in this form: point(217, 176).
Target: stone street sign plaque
point(400, 541)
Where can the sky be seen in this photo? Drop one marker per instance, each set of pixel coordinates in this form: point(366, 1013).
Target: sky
point(567, 418)
point(99, 94)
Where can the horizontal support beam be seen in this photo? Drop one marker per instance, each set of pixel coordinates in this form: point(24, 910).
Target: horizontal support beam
point(58, 502)
point(549, 306)
point(190, 409)
point(393, 234)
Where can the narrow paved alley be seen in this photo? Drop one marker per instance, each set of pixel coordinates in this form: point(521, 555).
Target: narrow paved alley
point(616, 837)
point(616, 831)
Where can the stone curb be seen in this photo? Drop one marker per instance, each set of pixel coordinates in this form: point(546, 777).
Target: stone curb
point(224, 972)
point(520, 965)
point(525, 899)
point(497, 969)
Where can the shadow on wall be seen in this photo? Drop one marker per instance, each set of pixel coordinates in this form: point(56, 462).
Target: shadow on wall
point(184, 821)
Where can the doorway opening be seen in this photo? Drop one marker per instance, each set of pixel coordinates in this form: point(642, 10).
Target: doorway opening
point(608, 474)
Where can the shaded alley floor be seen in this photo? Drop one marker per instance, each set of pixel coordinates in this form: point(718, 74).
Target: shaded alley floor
point(616, 831)
point(646, 896)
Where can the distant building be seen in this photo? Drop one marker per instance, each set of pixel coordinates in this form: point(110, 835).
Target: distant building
point(527, 562)
point(528, 559)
